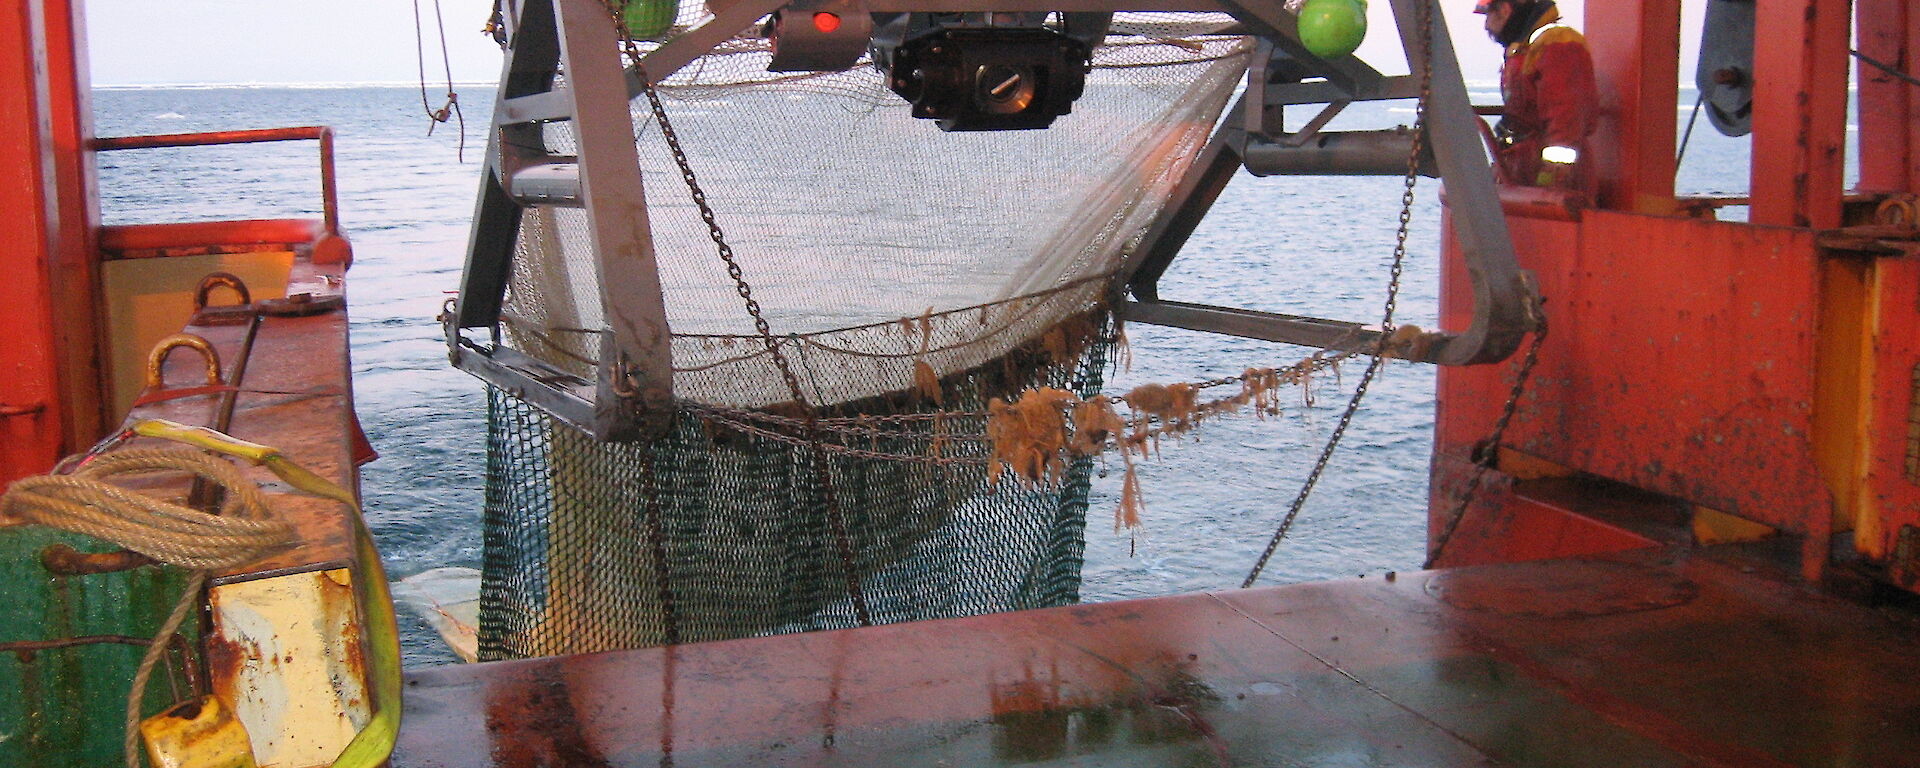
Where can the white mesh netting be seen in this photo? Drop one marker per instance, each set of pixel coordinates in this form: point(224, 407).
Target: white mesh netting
point(873, 240)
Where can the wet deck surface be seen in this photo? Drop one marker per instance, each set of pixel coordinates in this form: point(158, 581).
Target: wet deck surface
point(1642, 659)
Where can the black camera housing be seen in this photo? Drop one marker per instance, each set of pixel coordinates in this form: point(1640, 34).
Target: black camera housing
point(989, 78)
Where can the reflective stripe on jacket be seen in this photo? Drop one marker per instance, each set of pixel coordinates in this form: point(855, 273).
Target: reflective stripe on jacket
point(1547, 84)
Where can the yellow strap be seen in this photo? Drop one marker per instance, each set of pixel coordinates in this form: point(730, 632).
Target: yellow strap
point(202, 437)
point(374, 743)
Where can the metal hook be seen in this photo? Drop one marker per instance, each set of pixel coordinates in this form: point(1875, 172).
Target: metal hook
point(157, 359)
point(215, 280)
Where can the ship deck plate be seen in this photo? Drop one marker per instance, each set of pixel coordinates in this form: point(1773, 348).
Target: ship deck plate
point(1649, 658)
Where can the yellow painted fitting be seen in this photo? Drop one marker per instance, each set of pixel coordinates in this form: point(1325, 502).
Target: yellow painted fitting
point(1711, 526)
point(1521, 466)
point(201, 733)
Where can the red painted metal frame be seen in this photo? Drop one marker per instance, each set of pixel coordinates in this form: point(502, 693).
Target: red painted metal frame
point(117, 240)
point(49, 384)
point(1893, 472)
point(1889, 32)
point(76, 292)
point(1889, 110)
point(1799, 111)
point(1636, 54)
point(1541, 519)
point(330, 246)
point(1687, 355)
point(1681, 361)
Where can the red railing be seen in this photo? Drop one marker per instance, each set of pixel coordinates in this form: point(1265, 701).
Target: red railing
point(329, 244)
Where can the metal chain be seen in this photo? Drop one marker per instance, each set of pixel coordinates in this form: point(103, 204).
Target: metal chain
point(1487, 453)
point(1392, 302)
point(822, 470)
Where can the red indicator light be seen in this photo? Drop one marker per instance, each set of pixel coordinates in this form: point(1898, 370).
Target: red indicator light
point(825, 22)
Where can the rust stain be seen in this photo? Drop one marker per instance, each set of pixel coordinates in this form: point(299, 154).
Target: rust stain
point(537, 726)
point(63, 560)
point(343, 612)
point(227, 657)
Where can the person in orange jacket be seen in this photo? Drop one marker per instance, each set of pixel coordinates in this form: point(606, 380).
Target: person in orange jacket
point(1547, 84)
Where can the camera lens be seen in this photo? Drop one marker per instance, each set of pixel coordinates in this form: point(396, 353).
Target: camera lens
point(1003, 89)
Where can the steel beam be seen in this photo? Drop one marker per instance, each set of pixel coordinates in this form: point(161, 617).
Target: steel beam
point(1799, 111)
point(1334, 153)
point(1321, 91)
point(33, 408)
point(1889, 32)
point(1275, 23)
point(1191, 200)
point(1251, 324)
point(678, 52)
point(1501, 296)
point(1453, 151)
point(532, 55)
point(560, 394)
point(660, 63)
point(635, 369)
point(636, 365)
point(1636, 68)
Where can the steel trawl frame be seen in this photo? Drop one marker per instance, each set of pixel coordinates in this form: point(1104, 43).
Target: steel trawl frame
point(633, 390)
point(1454, 153)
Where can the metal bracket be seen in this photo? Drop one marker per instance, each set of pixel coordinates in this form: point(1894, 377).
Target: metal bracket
point(603, 180)
point(1454, 153)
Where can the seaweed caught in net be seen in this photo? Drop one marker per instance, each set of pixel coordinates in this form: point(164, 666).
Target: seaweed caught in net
point(747, 549)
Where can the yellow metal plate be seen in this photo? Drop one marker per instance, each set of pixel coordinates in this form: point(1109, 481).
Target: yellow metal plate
point(147, 299)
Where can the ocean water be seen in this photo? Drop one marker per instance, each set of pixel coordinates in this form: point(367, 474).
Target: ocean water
point(1313, 246)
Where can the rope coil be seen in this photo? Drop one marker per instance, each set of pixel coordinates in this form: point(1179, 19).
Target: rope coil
point(87, 502)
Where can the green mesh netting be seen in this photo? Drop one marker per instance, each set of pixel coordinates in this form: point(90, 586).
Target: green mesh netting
point(574, 527)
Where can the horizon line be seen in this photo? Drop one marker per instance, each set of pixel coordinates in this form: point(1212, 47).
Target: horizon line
point(310, 84)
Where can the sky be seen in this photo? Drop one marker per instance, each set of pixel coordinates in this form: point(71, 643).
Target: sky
point(141, 42)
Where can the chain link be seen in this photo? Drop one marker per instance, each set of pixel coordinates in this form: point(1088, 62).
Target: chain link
point(1392, 302)
point(823, 472)
point(1487, 453)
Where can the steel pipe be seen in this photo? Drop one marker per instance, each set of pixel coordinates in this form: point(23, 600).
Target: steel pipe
point(1335, 153)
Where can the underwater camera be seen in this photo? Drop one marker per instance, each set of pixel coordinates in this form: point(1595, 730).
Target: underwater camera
point(977, 72)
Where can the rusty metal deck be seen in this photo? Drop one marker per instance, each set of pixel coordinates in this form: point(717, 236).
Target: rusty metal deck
point(1648, 658)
